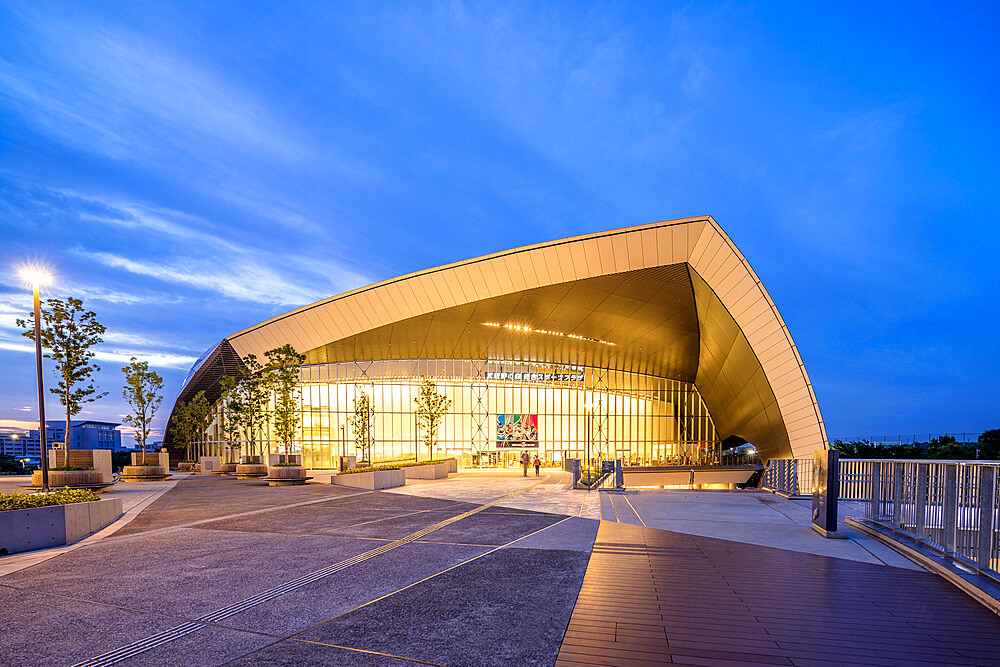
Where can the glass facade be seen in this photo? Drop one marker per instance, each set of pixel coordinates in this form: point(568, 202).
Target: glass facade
point(642, 419)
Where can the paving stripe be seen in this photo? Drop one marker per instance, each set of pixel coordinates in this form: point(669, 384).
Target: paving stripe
point(636, 513)
point(361, 650)
point(167, 636)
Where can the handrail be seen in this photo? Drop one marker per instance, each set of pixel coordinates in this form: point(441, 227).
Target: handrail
point(951, 506)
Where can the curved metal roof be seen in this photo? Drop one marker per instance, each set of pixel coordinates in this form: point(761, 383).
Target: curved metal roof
point(675, 299)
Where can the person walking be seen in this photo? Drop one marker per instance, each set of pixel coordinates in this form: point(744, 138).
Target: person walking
point(525, 461)
point(538, 464)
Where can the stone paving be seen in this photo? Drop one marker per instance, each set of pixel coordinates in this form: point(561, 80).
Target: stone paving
point(485, 485)
point(472, 587)
point(483, 568)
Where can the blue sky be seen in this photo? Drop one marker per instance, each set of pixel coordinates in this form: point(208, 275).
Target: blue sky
point(191, 169)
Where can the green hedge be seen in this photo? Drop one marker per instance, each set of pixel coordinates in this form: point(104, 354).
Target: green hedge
point(395, 466)
point(23, 501)
point(68, 468)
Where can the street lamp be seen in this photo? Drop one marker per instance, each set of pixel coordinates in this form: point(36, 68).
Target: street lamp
point(586, 426)
point(36, 277)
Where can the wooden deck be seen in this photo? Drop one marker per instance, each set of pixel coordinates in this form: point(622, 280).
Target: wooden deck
point(652, 597)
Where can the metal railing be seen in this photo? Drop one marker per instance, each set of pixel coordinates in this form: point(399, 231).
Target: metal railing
point(948, 505)
point(791, 476)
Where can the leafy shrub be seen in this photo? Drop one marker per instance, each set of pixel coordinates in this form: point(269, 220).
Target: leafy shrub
point(286, 465)
point(395, 466)
point(23, 501)
point(68, 468)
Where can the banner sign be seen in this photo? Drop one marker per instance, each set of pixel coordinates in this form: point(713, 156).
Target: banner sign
point(517, 431)
point(534, 377)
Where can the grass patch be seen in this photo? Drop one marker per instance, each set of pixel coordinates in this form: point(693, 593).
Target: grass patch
point(69, 468)
point(394, 466)
point(24, 501)
point(287, 465)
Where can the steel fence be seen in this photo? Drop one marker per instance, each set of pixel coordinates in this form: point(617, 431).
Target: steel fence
point(790, 476)
point(949, 505)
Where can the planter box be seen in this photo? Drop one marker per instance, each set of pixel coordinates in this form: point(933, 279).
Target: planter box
point(41, 527)
point(70, 478)
point(209, 464)
point(161, 459)
point(143, 473)
point(274, 459)
point(286, 475)
point(250, 470)
point(429, 471)
point(98, 459)
point(373, 481)
point(185, 466)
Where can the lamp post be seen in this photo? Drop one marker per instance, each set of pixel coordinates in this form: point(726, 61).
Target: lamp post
point(586, 430)
point(36, 278)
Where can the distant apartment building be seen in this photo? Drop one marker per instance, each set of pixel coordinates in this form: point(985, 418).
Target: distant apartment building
point(20, 445)
point(82, 435)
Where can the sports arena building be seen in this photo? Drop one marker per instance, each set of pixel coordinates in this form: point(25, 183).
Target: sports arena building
point(655, 344)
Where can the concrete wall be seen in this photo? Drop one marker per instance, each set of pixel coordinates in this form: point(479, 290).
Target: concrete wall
point(42, 527)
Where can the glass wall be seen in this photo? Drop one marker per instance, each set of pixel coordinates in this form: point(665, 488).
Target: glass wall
point(580, 412)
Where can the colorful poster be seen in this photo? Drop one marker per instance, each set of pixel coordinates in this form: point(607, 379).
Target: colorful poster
point(517, 431)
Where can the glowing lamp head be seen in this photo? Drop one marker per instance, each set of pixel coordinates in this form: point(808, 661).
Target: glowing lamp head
point(35, 276)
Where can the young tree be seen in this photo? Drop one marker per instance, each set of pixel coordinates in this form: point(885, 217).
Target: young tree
point(256, 388)
point(363, 425)
point(183, 427)
point(231, 411)
point(430, 408)
point(68, 332)
point(200, 415)
point(142, 393)
point(283, 368)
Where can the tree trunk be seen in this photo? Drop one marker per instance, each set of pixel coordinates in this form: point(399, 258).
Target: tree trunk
point(66, 434)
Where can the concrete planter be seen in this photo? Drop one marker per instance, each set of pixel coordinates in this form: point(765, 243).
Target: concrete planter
point(161, 459)
point(41, 527)
point(185, 466)
point(143, 473)
point(250, 470)
point(74, 479)
point(227, 469)
point(429, 471)
point(286, 475)
point(373, 481)
point(98, 459)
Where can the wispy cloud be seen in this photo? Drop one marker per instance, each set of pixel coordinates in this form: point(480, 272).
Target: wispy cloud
point(119, 347)
point(119, 92)
point(240, 278)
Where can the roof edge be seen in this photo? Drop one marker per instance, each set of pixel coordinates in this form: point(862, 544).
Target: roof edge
point(482, 258)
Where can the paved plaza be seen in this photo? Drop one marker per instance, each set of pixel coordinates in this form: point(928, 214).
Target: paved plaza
point(483, 568)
